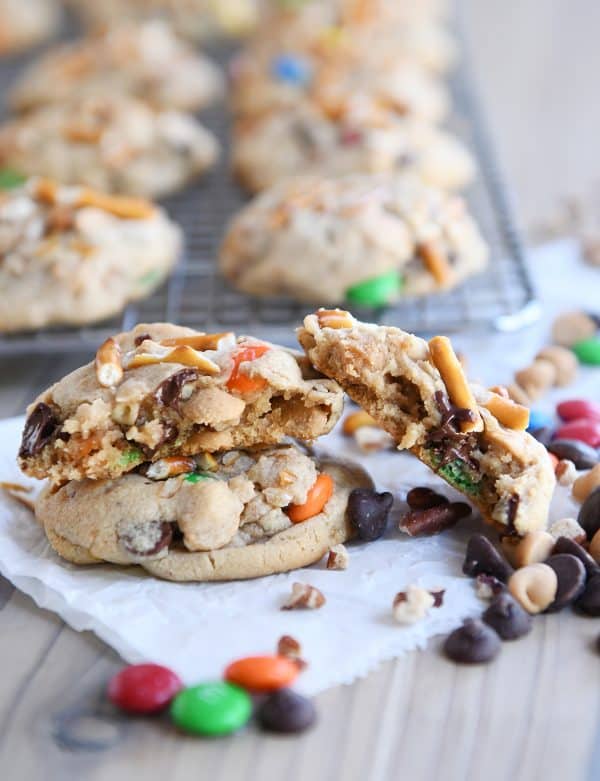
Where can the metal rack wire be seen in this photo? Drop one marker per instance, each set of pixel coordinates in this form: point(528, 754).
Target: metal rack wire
point(502, 297)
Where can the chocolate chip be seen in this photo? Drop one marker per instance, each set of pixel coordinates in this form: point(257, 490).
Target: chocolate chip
point(286, 711)
point(543, 435)
point(567, 545)
point(39, 429)
point(507, 617)
point(571, 576)
point(438, 597)
point(368, 512)
point(170, 389)
point(141, 338)
point(582, 455)
point(589, 601)
point(423, 498)
point(482, 558)
point(420, 523)
point(145, 538)
point(472, 643)
point(589, 514)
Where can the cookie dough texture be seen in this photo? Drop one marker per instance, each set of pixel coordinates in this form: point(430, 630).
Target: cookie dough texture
point(346, 231)
point(229, 526)
point(303, 140)
point(72, 260)
point(25, 23)
point(197, 20)
point(78, 429)
point(145, 61)
point(506, 473)
point(113, 143)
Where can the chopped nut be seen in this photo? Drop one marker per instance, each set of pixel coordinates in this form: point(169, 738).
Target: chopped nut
point(487, 586)
point(453, 376)
point(338, 558)
point(506, 412)
point(586, 483)
point(564, 360)
point(334, 318)
point(207, 462)
point(565, 472)
point(355, 420)
point(413, 604)
point(537, 378)
point(571, 327)
point(198, 341)
point(109, 369)
point(171, 466)
point(289, 646)
point(436, 262)
point(304, 597)
point(568, 527)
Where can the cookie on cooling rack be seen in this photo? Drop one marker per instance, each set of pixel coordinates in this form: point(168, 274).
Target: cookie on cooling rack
point(72, 255)
point(163, 390)
point(250, 513)
point(114, 143)
point(25, 23)
point(197, 20)
point(146, 61)
point(303, 140)
point(364, 239)
point(417, 391)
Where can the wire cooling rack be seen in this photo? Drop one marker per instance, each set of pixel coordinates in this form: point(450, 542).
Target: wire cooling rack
point(502, 297)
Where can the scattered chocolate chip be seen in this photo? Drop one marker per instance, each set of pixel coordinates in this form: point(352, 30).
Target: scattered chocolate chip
point(507, 617)
point(472, 643)
point(368, 512)
point(482, 558)
point(589, 514)
point(169, 390)
point(420, 523)
point(141, 338)
point(487, 586)
point(39, 429)
point(571, 576)
point(543, 435)
point(582, 455)
point(145, 538)
point(438, 597)
point(286, 711)
point(589, 601)
point(423, 498)
point(567, 545)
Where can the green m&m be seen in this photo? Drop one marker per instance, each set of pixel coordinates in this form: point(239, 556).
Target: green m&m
point(588, 351)
point(215, 708)
point(377, 291)
point(10, 179)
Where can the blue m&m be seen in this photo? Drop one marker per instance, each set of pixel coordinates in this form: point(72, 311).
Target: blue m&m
point(292, 70)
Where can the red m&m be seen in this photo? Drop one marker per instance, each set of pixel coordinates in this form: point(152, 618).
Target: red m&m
point(143, 688)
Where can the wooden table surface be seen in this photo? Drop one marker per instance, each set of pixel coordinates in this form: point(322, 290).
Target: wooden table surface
point(533, 714)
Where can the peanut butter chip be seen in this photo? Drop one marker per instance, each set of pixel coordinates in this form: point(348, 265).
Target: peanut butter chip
point(534, 587)
point(460, 394)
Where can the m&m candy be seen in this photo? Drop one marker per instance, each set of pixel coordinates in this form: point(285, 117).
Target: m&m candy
point(143, 688)
point(214, 708)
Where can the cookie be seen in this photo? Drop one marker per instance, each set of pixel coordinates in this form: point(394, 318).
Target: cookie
point(25, 24)
point(113, 143)
point(162, 390)
point(264, 82)
point(472, 438)
point(145, 61)
point(71, 255)
point(303, 140)
point(349, 231)
point(225, 524)
point(196, 20)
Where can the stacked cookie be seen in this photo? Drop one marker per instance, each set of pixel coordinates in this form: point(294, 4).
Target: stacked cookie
point(170, 452)
point(335, 90)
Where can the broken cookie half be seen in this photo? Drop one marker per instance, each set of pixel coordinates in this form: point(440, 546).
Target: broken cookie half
point(473, 438)
point(162, 390)
point(239, 514)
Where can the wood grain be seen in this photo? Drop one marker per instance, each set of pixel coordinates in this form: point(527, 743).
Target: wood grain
point(533, 714)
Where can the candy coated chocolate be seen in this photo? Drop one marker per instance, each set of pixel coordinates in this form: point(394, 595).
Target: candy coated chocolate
point(286, 711)
point(215, 708)
point(143, 688)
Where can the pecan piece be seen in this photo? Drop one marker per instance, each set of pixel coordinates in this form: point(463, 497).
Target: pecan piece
point(304, 597)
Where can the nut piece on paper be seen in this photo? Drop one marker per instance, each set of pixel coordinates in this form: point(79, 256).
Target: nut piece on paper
point(338, 558)
point(414, 604)
point(304, 597)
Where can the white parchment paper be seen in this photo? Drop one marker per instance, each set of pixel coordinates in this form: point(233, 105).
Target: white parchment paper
point(198, 628)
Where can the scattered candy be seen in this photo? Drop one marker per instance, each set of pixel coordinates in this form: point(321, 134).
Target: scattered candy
point(304, 597)
point(423, 498)
point(292, 70)
point(216, 708)
point(586, 483)
point(286, 711)
point(571, 577)
point(262, 673)
point(316, 498)
point(534, 587)
point(589, 514)
point(421, 523)
point(507, 617)
point(143, 688)
point(538, 419)
point(582, 455)
point(375, 292)
point(567, 545)
point(589, 601)
point(10, 179)
point(472, 643)
point(571, 327)
point(588, 351)
point(582, 430)
point(482, 558)
point(575, 409)
point(368, 512)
